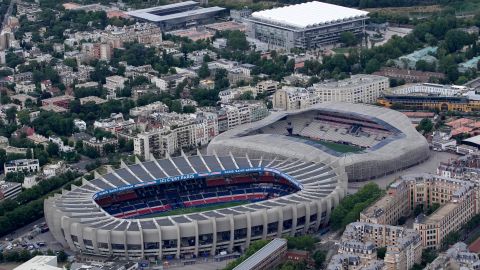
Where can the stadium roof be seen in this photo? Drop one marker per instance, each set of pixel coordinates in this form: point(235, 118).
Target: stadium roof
point(148, 13)
point(309, 14)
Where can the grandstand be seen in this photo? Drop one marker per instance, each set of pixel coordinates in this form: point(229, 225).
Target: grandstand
point(377, 141)
point(126, 212)
point(330, 127)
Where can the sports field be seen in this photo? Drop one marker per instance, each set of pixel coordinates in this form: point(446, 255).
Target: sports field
point(337, 147)
point(190, 210)
point(341, 148)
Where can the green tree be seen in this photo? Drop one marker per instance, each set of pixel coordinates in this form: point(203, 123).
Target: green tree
point(319, 259)
point(372, 66)
point(350, 207)
point(17, 177)
point(381, 252)
point(203, 71)
point(236, 40)
point(189, 109)
point(24, 117)
point(425, 125)
point(305, 242)
point(11, 114)
point(348, 38)
point(62, 256)
point(52, 149)
point(176, 106)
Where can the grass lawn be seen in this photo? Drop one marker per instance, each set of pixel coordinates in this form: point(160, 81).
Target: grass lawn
point(183, 211)
point(341, 148)
point(341, 50)
point(337, 147)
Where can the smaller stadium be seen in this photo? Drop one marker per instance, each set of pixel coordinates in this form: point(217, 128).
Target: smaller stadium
point(178, 15)
point(370, 141)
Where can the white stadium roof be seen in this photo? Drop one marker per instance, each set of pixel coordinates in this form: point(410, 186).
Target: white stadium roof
point(309, 14)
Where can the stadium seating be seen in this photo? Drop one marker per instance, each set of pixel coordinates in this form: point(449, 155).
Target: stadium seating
point(193, 193)
point(324, 126)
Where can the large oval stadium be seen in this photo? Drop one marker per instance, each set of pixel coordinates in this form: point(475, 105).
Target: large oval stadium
point(369, 141)
point(188, 206)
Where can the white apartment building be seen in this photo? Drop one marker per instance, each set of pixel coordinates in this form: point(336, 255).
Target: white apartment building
point(293, 98)
point(178, 131)
point(156, 107)
point(357, 89)
point(268, 87)
point(240, 113)
point(25, 87)
point(227, 96)
point(25, 165)
point(80, 124)
point(169, 82)
point(61, 146)
point(114, 83)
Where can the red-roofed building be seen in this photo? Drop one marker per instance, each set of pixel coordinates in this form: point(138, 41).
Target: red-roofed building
point(28, 131)
point(60, 101)
point(461, 130)
point(460, 122)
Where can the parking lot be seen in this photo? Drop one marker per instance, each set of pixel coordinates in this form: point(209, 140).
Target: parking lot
point(34, 236)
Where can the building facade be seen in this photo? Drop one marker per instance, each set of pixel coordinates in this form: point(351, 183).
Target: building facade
point(357, 89)
point(24, 165)
point(456, 202)
point(308, 26)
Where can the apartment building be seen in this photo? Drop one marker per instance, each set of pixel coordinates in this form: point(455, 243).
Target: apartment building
point(456, 257)
point(99, 145)
point(25, 165)
point(293, 98)
point(176, 132)
point(458, 201)
point(9, 190)
point(145, 111)
point(25, 87)
point(227, 96)
point(145, 33)
point(391, 207)
point(357, 89)
point(267, 87)
point(113, 84)
point(240, 113)
point(404, 246)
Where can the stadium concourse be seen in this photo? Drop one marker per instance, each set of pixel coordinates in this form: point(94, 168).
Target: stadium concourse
point(134, 212)
point(369, 141)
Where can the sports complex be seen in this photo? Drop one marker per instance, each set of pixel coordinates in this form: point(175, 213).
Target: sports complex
point(277, 177)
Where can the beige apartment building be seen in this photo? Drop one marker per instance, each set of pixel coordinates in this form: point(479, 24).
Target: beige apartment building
point(458, 201)
point(359, 88)
point(361, 239)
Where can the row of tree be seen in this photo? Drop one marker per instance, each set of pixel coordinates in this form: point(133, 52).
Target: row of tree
point(28, 206)
point(349, 209)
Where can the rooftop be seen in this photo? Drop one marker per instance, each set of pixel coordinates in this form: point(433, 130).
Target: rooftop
point(188, 11)
point(440, 214)
point(40, 263)
point(309, 14)
point(260, 255)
